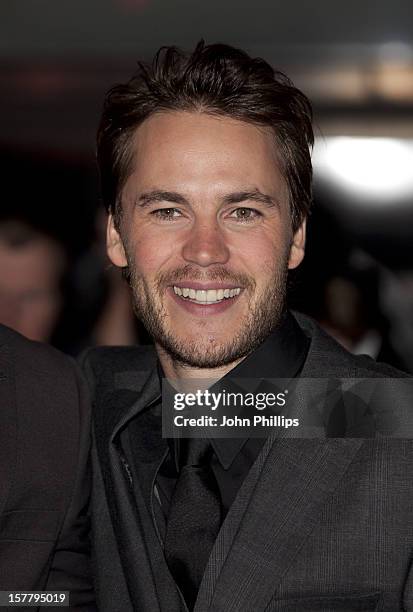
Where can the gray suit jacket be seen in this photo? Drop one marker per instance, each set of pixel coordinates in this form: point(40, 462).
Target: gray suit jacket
point(318, 524)
point(44, 474)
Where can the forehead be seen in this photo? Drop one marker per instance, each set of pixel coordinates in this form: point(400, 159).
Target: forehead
point(197, 148)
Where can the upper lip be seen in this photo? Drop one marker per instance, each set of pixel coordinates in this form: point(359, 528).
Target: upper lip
point(205, 286)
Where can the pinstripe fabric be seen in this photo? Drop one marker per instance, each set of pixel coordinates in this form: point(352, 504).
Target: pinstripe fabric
point(229, 530)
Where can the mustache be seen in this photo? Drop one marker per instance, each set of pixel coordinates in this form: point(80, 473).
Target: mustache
point(191, 273)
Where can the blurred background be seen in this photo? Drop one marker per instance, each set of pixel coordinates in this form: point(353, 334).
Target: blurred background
point(355, 62)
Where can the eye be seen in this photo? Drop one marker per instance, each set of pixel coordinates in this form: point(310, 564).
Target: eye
point(166, 214)
point(245, 215)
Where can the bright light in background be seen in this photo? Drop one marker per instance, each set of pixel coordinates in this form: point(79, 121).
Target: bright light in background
point(379, 169)
point(395, 51)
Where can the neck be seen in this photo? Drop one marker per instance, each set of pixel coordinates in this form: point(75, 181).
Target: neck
point(176, 370)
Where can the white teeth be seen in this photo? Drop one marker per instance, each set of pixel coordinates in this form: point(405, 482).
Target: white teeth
point(200, 295)
point(206, 296)
point(233, 292)
point(211, 295)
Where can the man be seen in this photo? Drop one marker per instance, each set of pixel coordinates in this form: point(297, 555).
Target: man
point(44, 482)
point(206, 175)
point(31, 268)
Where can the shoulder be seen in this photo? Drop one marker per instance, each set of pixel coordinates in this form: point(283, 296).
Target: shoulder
point(37, 359)
point(44, 379)
point(326, 357)
point(44, 418)
point(105, 366)
point(377, 400)
point(45, 436)
point(119, 358)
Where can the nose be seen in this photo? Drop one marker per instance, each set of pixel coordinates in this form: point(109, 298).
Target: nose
point(206, 245)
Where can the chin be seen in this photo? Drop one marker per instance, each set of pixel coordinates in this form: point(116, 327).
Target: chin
point(203, 341)
point(209, 352)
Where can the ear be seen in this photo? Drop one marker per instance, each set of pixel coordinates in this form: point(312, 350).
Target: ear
point(297, 247)
point(114, 245)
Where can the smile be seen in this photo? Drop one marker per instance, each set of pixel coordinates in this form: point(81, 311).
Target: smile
point(206, 296)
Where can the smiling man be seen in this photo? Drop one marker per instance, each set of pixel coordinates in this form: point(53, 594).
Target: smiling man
point(206, 175)
point(208, 237)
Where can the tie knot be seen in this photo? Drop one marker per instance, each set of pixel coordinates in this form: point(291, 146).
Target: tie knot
point(194, 451)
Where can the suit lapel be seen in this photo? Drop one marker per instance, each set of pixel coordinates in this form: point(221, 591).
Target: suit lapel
point(279, 502)
point(301, 408)
point(149, 582)
point(228, 532)
point(115, 410)
point(297, 478)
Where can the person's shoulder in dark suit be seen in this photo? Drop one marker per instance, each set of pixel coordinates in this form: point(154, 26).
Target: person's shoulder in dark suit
point(44, 475)
point(329, 358)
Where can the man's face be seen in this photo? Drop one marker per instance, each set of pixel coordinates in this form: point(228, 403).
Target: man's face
point(30, 299)
point(207, 236)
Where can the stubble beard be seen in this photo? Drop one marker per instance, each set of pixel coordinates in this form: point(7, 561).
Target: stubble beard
point(263, 315)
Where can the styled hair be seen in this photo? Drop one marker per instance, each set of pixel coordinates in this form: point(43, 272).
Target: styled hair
point(218, 80)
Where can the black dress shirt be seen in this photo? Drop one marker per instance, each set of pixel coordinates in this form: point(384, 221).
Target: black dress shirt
point(281, 355)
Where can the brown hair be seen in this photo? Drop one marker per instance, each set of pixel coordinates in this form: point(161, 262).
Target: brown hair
point(215, 79)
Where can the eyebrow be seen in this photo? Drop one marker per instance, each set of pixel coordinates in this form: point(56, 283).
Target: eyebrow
point(160, 196)
point(255, 195)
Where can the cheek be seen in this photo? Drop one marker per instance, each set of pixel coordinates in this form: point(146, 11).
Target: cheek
point(149, 254)
point(259, 255)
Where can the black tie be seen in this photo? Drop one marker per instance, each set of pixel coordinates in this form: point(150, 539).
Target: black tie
point(194, 518)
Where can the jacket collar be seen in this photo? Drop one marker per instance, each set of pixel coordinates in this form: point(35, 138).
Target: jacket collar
point(134, 391)
point(259, 545)
point(146, 397)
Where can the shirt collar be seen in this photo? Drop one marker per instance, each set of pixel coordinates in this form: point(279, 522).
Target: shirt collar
point(281, 355)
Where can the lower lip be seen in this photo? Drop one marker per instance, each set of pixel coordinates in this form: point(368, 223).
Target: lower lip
point(203, 310)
